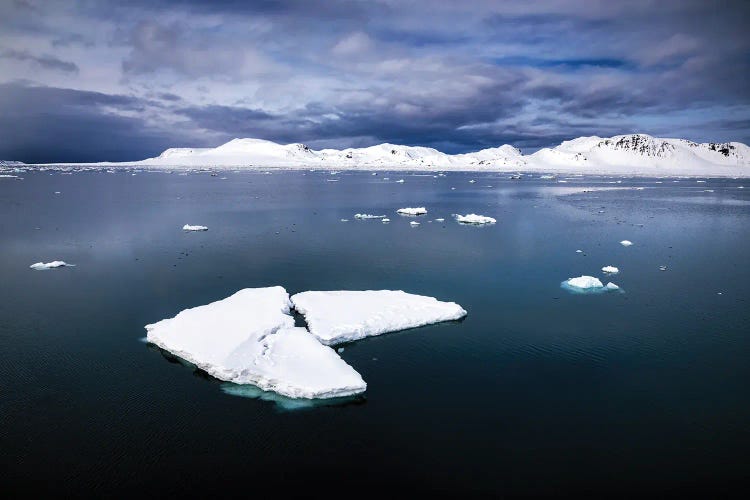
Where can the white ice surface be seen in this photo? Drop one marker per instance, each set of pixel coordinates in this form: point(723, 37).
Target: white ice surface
point(626, 243)
point(587, 284)
point(368, 216)
point(474, 219)
point(412, 211)
point(342, 316)
point(610, 270)
point(584, 282)
point(49, 265)
point(188, 227)
point(250, 338)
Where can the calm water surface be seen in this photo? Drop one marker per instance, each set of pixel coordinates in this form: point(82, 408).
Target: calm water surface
point(537, 391)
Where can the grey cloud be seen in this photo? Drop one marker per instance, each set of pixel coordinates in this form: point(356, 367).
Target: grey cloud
point(45, 61)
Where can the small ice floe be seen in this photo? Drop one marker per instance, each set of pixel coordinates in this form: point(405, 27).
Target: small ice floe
point(386, 178)
point(587, 284)
point(344, 220)
point(439, 220)
point(626, 243)
point(453, 189)
point(579, 251)
point(414, 223)
point(546, 176)
point(342, 316)
point(332, 180)
point(57, 192)
point(385, 221)
point(6, 176)
point(610, 270)
point(340, 350)
point(400, 181)
point(40, 266)
point(703, 182)
point(250, 338)
point(472, 181)
point(374, 173)
point(662, 268)
point(708, 190)
point(412, 211)
point(368, 216)
point(474, 219)
point(188, 227)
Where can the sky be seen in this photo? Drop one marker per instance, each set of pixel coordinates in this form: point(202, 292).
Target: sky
point(91, 80)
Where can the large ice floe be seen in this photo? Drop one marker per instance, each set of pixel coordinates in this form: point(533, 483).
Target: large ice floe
point(474, 219)
point(587, 284)
point(412, 211)
point(341, 316)
point(250, 338)
point(40, 266)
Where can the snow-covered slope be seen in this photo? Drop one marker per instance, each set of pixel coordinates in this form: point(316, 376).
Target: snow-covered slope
point(643, 154)
point(636, 154)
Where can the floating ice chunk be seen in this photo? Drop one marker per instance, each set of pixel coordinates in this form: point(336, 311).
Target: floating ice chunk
point(414, 223)
point(474, 219)
point(188, 227)
point(662, 268)
point(587, 284)
point(40, 266)
point(412, 211)
point(610, 270)
point(439, 220)
point(579, 251)
point(368, 216)
point(57, 192)
point(344, 220)
point(250, 338)
point(342, 316)
point(385, 221)
point(626, 243)
point(584, 282)
point(400, 181)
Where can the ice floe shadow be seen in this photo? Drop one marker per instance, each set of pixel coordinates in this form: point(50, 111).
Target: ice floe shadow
point(283, 403)
point(286, 403)
point(589, 291)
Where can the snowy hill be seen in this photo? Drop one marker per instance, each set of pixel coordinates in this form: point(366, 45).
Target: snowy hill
point(643, 154)
point(634, 154)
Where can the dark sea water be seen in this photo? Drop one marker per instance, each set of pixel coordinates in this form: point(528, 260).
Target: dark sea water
point(537, 391)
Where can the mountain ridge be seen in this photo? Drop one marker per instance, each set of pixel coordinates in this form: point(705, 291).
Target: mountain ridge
point(638, 154)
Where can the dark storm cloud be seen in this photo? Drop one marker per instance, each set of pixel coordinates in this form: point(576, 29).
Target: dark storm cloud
point(452, 75)
point(44, 124)
point(43, 61)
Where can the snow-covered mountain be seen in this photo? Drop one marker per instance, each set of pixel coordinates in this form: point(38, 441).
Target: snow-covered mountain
point(641, 153)
point(634, 154)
